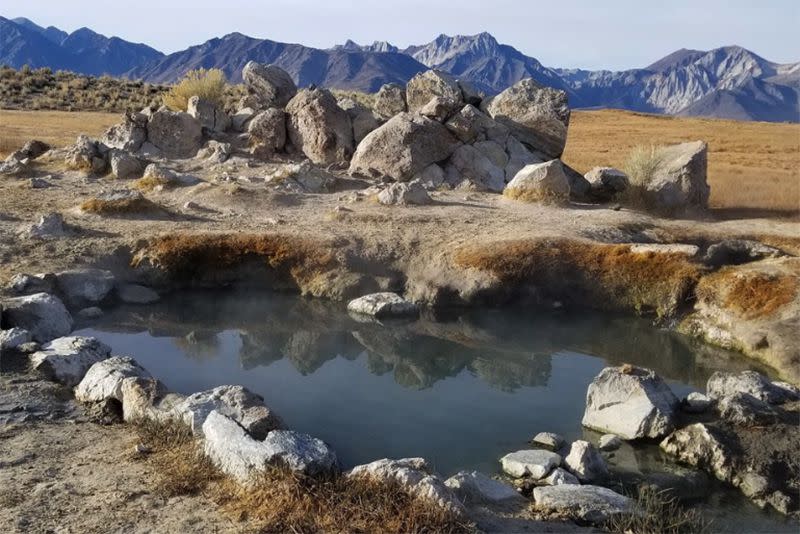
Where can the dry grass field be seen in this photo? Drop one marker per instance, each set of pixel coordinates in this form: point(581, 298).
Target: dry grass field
point(751, 165)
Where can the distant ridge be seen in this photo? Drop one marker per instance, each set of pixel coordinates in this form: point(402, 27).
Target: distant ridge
point(727, 82)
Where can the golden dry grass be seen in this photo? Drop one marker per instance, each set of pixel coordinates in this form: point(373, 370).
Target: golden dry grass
point(750, 295)
point(281, 501)
point(209, 84)
point(751, 165)
point(57, 128)
point(604, 276)
point(101, 206)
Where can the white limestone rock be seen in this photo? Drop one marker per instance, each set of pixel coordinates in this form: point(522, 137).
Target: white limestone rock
point(593, 504)
point(560, 476)
point(67, 359)
point(586, 462)
point(410, 194)
point(41, 314)
point(548, 440)
point(474, 487)
point(103, 380)
point(383, 305)
point(85, 286)
point(533, 463)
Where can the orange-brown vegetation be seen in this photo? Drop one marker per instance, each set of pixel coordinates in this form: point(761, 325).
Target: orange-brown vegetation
point(123, 206)
point(603, 276)
point(749, 294)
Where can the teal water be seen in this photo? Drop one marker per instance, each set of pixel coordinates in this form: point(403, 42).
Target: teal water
point(460, 390)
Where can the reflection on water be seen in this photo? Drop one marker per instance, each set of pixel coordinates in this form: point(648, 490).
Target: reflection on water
point(460, 390)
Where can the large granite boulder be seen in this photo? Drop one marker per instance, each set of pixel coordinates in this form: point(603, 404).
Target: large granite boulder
point(82, 287)
point(390, 100)
point(267, 130)
point(319, 128)
point(537, 115)
point(41, 314)
point(440, 108)
point(471, 125)
point(630, 402)
point(540, 182)
point(128, 135)
point(679, 183)
point(364, 120)
point(209, 114)
point(175, 134)
point(429, 84)
point(593, 504)
point(402, 147)
point(67, 359)
point(268, 85)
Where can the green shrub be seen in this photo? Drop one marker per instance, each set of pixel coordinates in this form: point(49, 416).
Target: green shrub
point(209, 84)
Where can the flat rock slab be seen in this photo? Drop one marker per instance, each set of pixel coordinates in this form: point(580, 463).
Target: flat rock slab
point(534, 463)
point(594, 504)
point(548, 440)
point(67, 359)
point(383, 305)
point(475, 487)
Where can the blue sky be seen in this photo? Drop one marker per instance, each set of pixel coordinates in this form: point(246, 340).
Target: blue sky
point(613, 34)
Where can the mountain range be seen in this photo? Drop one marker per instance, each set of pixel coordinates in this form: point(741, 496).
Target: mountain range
point(727, 82)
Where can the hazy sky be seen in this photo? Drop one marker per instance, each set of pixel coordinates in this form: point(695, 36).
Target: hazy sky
point(567, 33)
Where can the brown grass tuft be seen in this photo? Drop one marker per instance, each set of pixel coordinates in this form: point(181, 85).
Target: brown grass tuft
point(149, 183)
point(591, 274)
point(750, 295)
point(658, 511)
point(117, 207)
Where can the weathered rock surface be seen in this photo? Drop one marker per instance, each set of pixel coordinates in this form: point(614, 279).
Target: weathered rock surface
point(402, 147)
point(474, 487)
point(738, 251)
point(215, 152)
point(745, 410)
point(414, 475)
point(210, 116)
point(87, 155)
point(404, 194)
point(383, 305)
point(471, 125)
point(269, 85)
point(129, 135)
point(26, 284)
point(548, 440)
point(586, 462)
point(540, 182)
point(630, 402)
point(472, 165)
point(560, 476)
point(593, 504)
point(124, 165)
point(609, 442)
point(85, 286)
point(390, 100)
point(319, 128)
point(679, 183)
point(267, 130)
point(67, 359)
point(14, 337)
point(49, 226)
point(534, 463)
point(726, 384)
point(103, 380)
point(43, 315)
point(175, 134)
point(537, 115)
point(696, 403)
point(605, 182)
point(440, 108)
point(430, 84)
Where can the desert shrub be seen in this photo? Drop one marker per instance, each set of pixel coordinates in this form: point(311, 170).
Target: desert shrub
point(209, 84)
point(657, 512)
point(641, 166)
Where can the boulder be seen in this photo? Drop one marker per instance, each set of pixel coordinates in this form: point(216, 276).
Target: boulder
point(429, 84)
point(560, 476)
point(472, 487)
point(536, 115)
point(494, 152)
point(539, 182)
point(533, 463)
point(124, 165)
point(548, 440)
point(129, 135)
point(67, 359)
point(607, 181)
point(14, 337)
point(518, 158)
point(679, 183)
point(209, 114)
point(86, 155)
point(25, 284)
point(215, 152)
point(738, 251)
point(402, 147)
point(585, 462)
point(364, 120)
point(41, 314)
point(175, 134)
point(404, 194)
point(319, 128)
point(32, 149)
point(743, 409)
point(726, 384)
point(472, 165)
point(160, 174)
point(236, 453)
point(267, 130)
point(236, 402)
point(390, 100)
point(84, 286)
point(269, 85)
point(415, 476)
point(609, 442)
point(593, 504)
point(136, 294)
point(472, 95)
point(49, 225)
point(470, 125)
point(630, 402)
point(701, 446)
point(439, 108)
point(383, 305)
point(103, 381)
point(431, 177)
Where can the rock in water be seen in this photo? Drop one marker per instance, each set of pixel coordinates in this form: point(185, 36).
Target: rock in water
point(536, 115)
point(176, 134)
point(390, 100)
point(474, 487)
point(404, 194)
point(319, 128)
point(696, 403)
point(679, 184)
point(430, 84)
point(67, 359)
point(269, 85)
point(540, 182)
point(609, 442)
point(103, 380)
point(548, 440)
point(402, 147)
point(594, 504)
point(630, 402)
point(85, 286)
point(43, 315)
point(585, 462)
point(534, 463)
point(383, 305)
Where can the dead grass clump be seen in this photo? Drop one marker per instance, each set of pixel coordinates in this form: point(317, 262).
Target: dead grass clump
point(589, 274)
point(208, 84)
point(657, 512)
point(641, 166)
point(151, 182)
point(282, 501)
point(189, 256)
point(750, 295)
point(101, 206)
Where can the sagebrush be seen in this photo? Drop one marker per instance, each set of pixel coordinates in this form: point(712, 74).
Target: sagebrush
point(209, 84)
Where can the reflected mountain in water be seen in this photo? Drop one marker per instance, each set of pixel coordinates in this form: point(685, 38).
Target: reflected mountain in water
point(506, 349)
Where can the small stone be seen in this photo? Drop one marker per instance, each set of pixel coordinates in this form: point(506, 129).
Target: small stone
point(548, 440)
point(560, 476)
point(142, 449)
point(382, 305)
point(474, 487)
point(40, 183)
